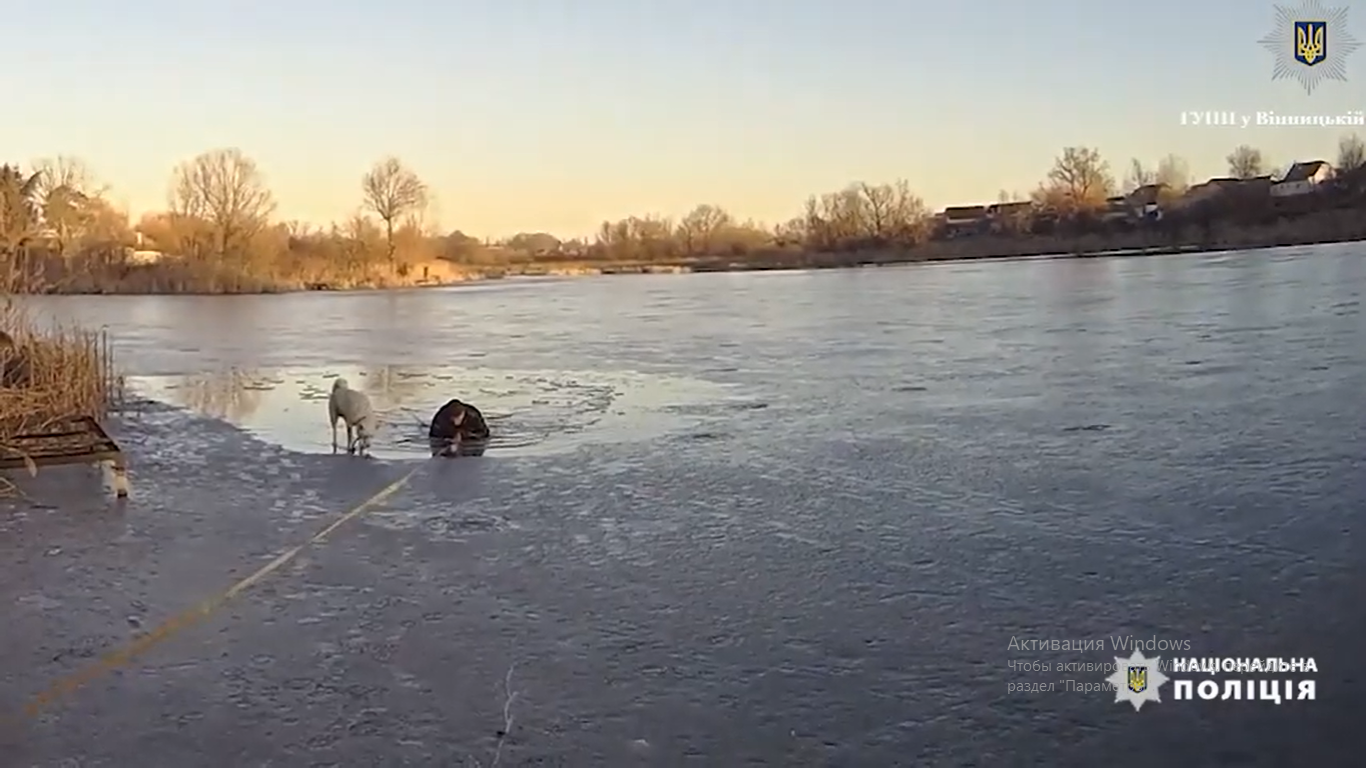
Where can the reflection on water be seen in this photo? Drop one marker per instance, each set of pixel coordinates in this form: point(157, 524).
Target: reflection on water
point(528, 411)
point(394, 382)
point(453, 448)
point(231, 395)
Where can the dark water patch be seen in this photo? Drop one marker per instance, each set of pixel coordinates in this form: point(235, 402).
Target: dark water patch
point(1087, 428)
point(702, 436)
point(910, 388)
point(1197, 369)
point(463, 524)
point(135, 404)
point(716, 410)
point(528, 411)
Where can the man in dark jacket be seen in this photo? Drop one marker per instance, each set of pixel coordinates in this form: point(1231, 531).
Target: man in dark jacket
point(454, 427)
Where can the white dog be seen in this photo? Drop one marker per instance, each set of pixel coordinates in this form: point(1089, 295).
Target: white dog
point(353, 407)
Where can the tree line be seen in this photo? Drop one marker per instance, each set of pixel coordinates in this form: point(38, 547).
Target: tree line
point(57, 223)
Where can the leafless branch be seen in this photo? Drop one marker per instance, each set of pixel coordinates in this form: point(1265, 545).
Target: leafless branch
point(392, 192)
point(224, 194)
point(1246, 162)
point(1351, 153)
point(1080, 178)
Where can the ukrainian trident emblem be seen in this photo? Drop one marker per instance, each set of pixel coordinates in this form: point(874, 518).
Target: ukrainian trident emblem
point(1311, 42)
point(1138, 679)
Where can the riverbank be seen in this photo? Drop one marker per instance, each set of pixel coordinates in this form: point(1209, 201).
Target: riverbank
point(1324, 227)
point(1333, 226)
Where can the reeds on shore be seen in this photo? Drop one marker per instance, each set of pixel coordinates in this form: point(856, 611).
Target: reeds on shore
point(48, 375)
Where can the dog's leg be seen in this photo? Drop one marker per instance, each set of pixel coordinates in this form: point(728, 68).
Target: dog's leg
point(334, 435)
point(119, 468)
point(350, 440)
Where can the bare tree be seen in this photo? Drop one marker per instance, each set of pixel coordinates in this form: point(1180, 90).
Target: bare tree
point(1351, 153)
point(1174, 173)
point(879, 202)
point(614, 238)
point(910, 215)
point(742, 237)
point(699, 228)
point(69, 198)
point(846, 216)
point(425, 218)
point(19, 208)
point(70, 172)
point(392, 191)
point(1246, 162)
point(645, 237)
point(1080, 178)
point(298, 229)
point(1139, 176)
point(795, 231)
point(221, 197)
point(816, 227)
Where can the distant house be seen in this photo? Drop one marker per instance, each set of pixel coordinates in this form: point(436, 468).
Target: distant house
point(1302, 178)
point(1147, 200)
point(1255, 187)
point(138, 256)
point(1003, 217)
point(965, 214)
point(964, 220)
point(1148, 194)
point(1215, 189)
point(1117, 209)
point(1002, 210)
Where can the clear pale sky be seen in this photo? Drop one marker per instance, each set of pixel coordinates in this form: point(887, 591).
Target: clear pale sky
point(527, 115)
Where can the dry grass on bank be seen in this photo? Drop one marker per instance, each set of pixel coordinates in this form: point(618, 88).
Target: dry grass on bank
point(47, 375)
point(217, 276)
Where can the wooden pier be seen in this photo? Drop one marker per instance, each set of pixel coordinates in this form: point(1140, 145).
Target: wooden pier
point(77, 440)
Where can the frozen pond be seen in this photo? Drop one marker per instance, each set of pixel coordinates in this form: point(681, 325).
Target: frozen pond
point(793, 519)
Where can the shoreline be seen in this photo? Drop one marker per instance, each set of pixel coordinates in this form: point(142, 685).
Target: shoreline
point(771, 262)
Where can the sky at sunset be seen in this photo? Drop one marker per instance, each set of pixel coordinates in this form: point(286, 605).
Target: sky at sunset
point(531, 115)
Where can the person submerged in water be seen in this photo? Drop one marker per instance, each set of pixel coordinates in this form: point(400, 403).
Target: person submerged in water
point(458, 429)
